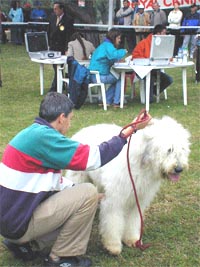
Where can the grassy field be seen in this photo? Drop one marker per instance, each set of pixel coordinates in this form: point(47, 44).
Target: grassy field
point(172, 222)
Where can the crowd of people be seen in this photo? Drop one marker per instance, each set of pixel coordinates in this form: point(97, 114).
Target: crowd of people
point(137, 16)
point(18, 14)
point(131, 13)
point(63, 37)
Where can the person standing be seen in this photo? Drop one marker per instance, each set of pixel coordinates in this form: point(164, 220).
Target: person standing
point(38, 14)
point(103, 57)
point(135, 5)
point(27, 12)
point(16, 15)
point(157, 16)
point(124, 17)
point(191, 19)
point(141, 18)
point(0, 78)
point(59, 32)
point(39, 207)
point(174, 20)
point(1, 30)
point(198, 10)
point(3, 37)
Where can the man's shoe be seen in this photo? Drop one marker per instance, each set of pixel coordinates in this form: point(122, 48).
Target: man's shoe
point(68, 262)
point(118, 106)
point(20, 251)
point(101, 104)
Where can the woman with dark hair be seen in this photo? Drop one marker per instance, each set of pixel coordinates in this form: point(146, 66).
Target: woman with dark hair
point(16, 15)
point(104, 56)
point(79, 47)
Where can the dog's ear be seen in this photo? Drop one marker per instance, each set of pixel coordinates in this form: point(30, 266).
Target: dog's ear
point(148, 137)
point(146, 157)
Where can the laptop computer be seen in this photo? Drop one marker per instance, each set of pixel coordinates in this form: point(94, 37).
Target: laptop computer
point(37, 46)
point(162, 48)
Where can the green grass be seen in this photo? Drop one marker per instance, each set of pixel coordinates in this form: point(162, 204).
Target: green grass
point(172, 221)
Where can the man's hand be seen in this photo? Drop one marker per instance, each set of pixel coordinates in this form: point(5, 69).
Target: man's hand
point(142, 120)
point(138, 123)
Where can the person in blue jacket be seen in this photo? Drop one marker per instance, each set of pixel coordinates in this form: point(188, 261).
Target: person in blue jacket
point(38, 14)
point(191, 19)
point(16, 15)
point(104, 56)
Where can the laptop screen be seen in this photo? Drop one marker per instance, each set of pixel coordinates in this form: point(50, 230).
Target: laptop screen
point(36, 41)
point(162, 47)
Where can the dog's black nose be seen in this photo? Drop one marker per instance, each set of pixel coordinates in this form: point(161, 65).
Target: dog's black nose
point(178, 169)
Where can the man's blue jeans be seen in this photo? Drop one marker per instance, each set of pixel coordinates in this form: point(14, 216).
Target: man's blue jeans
point(113, 93)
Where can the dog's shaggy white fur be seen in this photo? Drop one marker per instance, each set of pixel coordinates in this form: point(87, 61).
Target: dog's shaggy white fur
point(159, 151)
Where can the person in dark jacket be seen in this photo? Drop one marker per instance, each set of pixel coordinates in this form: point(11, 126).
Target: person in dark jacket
point(3, 37)
point(59, 32)
point(191, 19)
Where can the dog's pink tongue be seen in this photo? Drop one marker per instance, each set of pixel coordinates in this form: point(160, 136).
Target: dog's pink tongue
point(174, 177)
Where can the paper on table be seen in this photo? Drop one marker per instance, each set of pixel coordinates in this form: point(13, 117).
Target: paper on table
point(141, 71)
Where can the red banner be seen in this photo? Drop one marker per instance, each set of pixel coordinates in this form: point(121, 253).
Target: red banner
point(165, 3)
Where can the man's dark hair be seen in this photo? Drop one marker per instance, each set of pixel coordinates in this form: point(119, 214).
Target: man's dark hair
point(13, 4)
point(159, 28)
point(112, 34)
point(60, 4)
point(53, 105)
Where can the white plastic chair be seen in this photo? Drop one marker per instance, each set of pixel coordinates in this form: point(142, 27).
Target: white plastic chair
point(100, 94)
point(63, 70)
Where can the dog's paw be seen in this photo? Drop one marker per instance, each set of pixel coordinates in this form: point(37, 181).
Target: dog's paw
point(130, 242)
point(113, 249)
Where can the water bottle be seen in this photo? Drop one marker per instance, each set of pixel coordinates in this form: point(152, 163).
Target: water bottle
point(180, 55)
point(185, 55)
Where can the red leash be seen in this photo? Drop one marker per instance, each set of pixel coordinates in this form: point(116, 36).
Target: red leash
point(138, 243)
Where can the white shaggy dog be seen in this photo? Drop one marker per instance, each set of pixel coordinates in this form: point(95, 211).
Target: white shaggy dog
point(159, 151)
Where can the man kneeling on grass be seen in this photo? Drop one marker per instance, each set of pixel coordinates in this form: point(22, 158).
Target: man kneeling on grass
point(41, 209)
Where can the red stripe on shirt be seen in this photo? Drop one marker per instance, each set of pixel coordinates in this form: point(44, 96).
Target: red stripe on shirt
point(80, 158)
point(20, 161)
